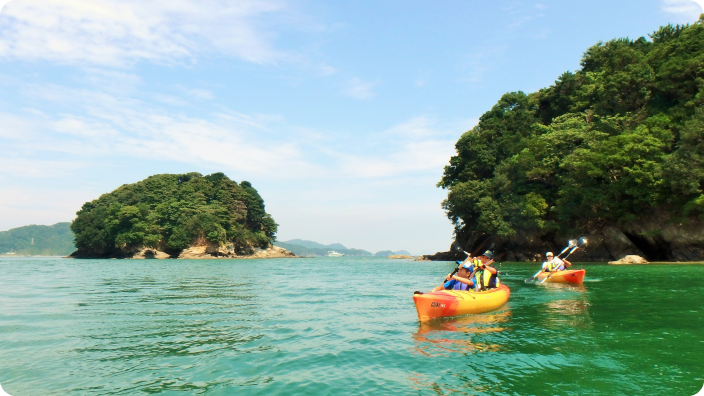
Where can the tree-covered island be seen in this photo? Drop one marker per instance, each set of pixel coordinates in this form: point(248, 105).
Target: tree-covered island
point(614, 150)
point(171, 214)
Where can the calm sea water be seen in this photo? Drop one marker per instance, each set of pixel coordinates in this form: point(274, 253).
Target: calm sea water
point(340, 326)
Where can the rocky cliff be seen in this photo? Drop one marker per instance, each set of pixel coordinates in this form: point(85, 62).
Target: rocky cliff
point(655, 239)
point(202, 250)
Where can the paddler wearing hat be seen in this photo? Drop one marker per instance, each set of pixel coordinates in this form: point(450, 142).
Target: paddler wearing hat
point(460, 280)
point(485, 275)
point(554, 263)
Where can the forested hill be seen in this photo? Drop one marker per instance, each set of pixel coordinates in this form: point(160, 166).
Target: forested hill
point(38, 240)
point(171, 212)
point(619, 141)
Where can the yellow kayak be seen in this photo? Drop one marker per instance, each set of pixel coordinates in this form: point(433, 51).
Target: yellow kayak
point(445, 303)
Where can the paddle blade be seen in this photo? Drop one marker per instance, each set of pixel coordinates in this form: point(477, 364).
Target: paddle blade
point(582, 241)
point(528, 280)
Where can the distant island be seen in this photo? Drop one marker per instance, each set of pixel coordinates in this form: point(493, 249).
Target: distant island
point(613, 151)
point(37, 240)
point(177, 216)
point(309, 248)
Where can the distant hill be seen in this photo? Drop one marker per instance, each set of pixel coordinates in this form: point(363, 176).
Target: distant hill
point(309, 248)
point(386, 253)
point(305, 251)
point(315, 245)
point(38, 240)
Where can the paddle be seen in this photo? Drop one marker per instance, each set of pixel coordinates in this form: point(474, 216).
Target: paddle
point(485, 265)
point(582, 241)
point(571, 243)
point(457, 247)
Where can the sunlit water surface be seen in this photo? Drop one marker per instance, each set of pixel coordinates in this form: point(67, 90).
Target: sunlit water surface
point(340, 326)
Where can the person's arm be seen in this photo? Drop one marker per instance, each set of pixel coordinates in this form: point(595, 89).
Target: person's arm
point(463, 280)
point(567, 263)
point(490, 269)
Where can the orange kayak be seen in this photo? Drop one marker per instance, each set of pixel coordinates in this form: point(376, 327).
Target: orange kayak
point(568, 276)
point(445, 303)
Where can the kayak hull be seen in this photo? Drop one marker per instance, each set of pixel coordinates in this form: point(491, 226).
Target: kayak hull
point(568, 276)
point(446, 303)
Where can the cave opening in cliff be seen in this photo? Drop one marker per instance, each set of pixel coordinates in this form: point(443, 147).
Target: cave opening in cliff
point(654, 249)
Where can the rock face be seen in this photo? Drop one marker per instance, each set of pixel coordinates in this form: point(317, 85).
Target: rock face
point(150, 254)
point(630, 259)
point(215, 252)
point(655, 239)
point(205, 251)
point(400, 256)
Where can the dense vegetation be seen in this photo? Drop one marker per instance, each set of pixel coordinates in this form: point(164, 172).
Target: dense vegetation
point(606, 145)
point(38, 240)
point(172, 212)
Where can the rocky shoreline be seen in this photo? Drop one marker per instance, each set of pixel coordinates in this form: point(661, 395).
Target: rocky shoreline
point(658, 240)
point(200, 252)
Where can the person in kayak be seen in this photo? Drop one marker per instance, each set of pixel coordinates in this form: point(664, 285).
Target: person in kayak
point(486, 276)
point(555, 263)
point(459, 281)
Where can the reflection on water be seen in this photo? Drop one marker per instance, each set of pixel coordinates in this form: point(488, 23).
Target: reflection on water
point(461, 334)
point(572, 307)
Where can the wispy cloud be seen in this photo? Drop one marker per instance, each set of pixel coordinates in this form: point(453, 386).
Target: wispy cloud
point(112, 33)
point(360, 89)
point(688, 10)
point(417, 146)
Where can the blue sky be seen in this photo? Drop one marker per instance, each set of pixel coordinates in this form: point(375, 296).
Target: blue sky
point(342, 114)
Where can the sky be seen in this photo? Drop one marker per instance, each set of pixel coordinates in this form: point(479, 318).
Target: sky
point(341, 114)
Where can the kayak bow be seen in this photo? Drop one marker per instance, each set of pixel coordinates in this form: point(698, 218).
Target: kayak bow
point(568, 276)
point(445, 303)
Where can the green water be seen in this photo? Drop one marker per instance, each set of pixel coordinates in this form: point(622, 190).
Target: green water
point(340, 326)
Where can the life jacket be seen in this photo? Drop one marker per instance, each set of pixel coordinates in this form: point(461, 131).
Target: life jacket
point(552, 265)
point(455, 285)
point(485, 280)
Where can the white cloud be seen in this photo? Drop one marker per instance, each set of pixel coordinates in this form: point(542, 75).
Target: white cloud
point(120, 33)
point(689, 10)
point(360, 89)
point(417, 146)
point(31, 168)
point(197, 93)
point(21, 206)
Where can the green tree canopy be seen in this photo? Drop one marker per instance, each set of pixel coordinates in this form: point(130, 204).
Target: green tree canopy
point(172, 212)
point(604, 145)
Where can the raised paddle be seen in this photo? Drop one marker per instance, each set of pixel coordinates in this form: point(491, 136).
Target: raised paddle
point(457, 247)
point(582, 241)
point(571, 243)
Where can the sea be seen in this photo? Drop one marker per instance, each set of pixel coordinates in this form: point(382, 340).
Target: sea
point(341, 326)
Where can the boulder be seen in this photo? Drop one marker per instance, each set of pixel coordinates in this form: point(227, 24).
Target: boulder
point(630, 259)
point(271, 252)
point(149, 253)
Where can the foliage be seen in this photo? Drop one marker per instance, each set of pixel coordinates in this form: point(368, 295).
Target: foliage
point(171, 212)
point(54, 240)
point(604, 145)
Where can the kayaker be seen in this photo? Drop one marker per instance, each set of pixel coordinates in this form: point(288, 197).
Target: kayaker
point(554, 263)
point(485, 275)
point(459, 281)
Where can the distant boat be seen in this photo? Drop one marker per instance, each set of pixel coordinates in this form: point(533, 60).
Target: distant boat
point(333, 253)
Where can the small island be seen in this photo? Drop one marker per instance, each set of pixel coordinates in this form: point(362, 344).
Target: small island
point(177, 216)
